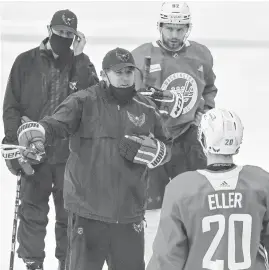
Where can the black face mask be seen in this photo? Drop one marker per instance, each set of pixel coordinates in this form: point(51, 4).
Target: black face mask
point(60, 45)
point(123, 95)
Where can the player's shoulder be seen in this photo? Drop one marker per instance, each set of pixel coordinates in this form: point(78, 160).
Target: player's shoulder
point(199, 48)
point(187, 183)
point(142, 50)
point(255, 174)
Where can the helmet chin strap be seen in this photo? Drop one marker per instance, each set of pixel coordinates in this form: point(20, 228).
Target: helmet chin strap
point(183, 42)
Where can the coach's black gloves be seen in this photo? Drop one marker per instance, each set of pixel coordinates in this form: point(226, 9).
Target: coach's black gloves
point(11, 157)
point(31, 135)
point(143, 150)
point(15, 163)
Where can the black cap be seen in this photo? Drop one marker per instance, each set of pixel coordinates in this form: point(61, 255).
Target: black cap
point(64, 20)
point(117, 59)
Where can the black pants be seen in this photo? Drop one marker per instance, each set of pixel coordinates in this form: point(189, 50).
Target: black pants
point(92, 242)
point(33, 212)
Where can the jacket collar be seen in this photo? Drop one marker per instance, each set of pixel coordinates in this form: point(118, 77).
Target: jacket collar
point(43, 49)
point(59, 63)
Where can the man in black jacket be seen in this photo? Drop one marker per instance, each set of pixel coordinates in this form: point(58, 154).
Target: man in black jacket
point(40, 79)
point(116, 135)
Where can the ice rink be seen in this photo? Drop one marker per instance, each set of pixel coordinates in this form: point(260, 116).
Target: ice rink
point(243, 83)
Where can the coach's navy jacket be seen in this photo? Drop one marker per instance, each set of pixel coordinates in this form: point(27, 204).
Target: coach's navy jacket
point(37, 84)
point(99, 183)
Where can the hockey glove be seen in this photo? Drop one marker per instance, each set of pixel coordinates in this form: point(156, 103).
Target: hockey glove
point(14, 161)
point(31, 135)
point(169, 102)
point(11, 156)
point(143, 150)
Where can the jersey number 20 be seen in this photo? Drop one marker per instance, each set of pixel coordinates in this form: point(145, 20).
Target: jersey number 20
point(246, 220)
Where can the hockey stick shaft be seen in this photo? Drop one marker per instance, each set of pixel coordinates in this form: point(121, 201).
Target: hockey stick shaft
point(70, 237)
point(147, 63)
point(146, 77)
point(15, 222)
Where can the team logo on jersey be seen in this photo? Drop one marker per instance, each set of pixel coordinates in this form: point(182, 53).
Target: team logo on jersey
point(186, 85)
point(137, 120)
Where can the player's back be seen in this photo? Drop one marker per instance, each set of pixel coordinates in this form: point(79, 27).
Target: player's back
point(223, 214)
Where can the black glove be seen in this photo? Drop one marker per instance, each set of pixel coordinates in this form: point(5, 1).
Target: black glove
point(13, 166)
point(143, 150)
point(14, 161)
point(31, 135)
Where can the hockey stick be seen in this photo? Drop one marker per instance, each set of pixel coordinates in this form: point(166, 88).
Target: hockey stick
point(147, 63)
point(70, 237)
point(146, 78)
point(15, 221)
point(12, 146)
point(146, 72)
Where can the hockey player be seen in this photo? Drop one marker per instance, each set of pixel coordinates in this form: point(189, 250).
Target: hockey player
point(40, 79)
point(115, 135)
point(216, 218)
point(177, 64)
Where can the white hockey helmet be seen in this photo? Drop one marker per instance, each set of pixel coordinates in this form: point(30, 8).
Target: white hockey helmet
point(220, 132)
point(174, 12)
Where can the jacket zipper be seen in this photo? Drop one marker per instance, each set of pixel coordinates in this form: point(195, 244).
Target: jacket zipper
point(117, 221)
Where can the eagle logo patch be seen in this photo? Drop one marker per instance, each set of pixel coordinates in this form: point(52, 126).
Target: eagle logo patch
point(122, 56)
point(67, 20)
point(73, 85)
point(137, 120)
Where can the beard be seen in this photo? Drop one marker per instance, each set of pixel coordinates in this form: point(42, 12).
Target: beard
point(173, 44)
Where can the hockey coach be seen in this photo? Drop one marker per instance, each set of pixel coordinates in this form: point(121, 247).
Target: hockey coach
point(116, 135)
